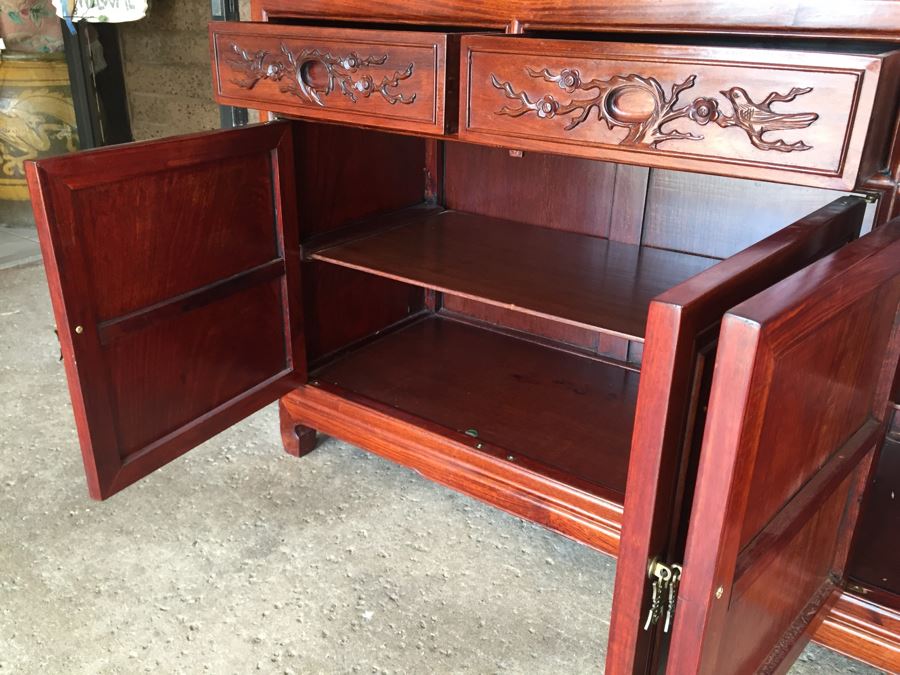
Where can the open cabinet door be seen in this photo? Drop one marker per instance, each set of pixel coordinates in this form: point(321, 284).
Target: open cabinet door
point(796, 411)
point(174, 275)
point(679, 352)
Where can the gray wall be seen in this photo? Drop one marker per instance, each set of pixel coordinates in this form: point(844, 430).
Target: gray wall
point(167, 70)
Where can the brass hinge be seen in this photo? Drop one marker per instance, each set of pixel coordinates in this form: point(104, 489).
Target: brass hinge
point(870, 197)
point(664, 579)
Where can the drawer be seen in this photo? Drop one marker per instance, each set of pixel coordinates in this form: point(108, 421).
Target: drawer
point(389, 79)
point(792, 116)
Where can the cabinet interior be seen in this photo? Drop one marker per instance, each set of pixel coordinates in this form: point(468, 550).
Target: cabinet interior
point(502, 298)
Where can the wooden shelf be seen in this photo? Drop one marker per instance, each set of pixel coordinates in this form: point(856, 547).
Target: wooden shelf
point(572, 278)
point(544, 407)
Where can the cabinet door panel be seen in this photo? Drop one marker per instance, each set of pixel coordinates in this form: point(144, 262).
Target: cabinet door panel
point(174, 274)
point(682, 330)
point(796, 412)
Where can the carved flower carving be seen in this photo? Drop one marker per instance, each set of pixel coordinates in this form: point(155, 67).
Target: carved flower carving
point(703, 110)
point(547, 107)
point(364, 85)
point(351, 61)
point(569, 79)
point(275, 70)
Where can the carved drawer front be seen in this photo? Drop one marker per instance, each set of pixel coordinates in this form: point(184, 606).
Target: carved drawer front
point(390, 79)
point(791, 116)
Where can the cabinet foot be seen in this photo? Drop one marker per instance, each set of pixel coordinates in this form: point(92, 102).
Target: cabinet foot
point(298, 440)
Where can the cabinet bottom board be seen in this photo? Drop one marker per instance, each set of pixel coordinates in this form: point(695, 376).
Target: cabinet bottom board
point(546, 408)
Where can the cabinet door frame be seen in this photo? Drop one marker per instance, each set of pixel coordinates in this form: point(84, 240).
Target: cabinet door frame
point(772, 519)
point(61, 187)
point(679, 351)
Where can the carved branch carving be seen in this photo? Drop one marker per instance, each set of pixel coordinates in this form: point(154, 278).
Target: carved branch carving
point(650, 125)
point(341, 72)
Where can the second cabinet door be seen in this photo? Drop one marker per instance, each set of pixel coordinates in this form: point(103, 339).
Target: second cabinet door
point(679, 354)
point(796, 413)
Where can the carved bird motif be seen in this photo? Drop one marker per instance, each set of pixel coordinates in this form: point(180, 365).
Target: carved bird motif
point(757, 119)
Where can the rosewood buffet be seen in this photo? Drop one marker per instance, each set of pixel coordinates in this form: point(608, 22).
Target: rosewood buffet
point(627, 270)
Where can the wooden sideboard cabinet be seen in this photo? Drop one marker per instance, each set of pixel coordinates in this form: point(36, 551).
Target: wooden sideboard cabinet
point(598, 265)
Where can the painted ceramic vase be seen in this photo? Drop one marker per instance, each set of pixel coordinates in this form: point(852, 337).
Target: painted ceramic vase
point(37, 119)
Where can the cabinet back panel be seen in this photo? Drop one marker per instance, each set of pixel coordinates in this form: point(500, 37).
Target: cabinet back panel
point(716, 216)
point(346, 174)
point(612, 346)
point(564, 193)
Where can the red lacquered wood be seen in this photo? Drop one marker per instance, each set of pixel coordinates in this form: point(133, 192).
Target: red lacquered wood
point(562, 193)
point(576, 279)
point(510, 318)
point(297, 439)
point(387, 79)
point(789, 116)
point(526, 489)
point(717, 216)
point(868, 19)
point(348, 178)
point(337, 182)
point(565, 193)
point(863, 629)
point(802, 377)
point(174, 280)
point(682, 327)
point(367, 305)
point(534, 403)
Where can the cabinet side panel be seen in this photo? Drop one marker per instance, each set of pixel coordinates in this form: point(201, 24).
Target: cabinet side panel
point(345, 174)
point(343, 306)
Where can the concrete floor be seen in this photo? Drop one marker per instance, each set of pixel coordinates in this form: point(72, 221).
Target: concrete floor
point(237, 558)
point(18, 246)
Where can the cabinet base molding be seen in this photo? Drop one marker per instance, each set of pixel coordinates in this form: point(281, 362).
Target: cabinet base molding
point(863, 630)
point(428, 449)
